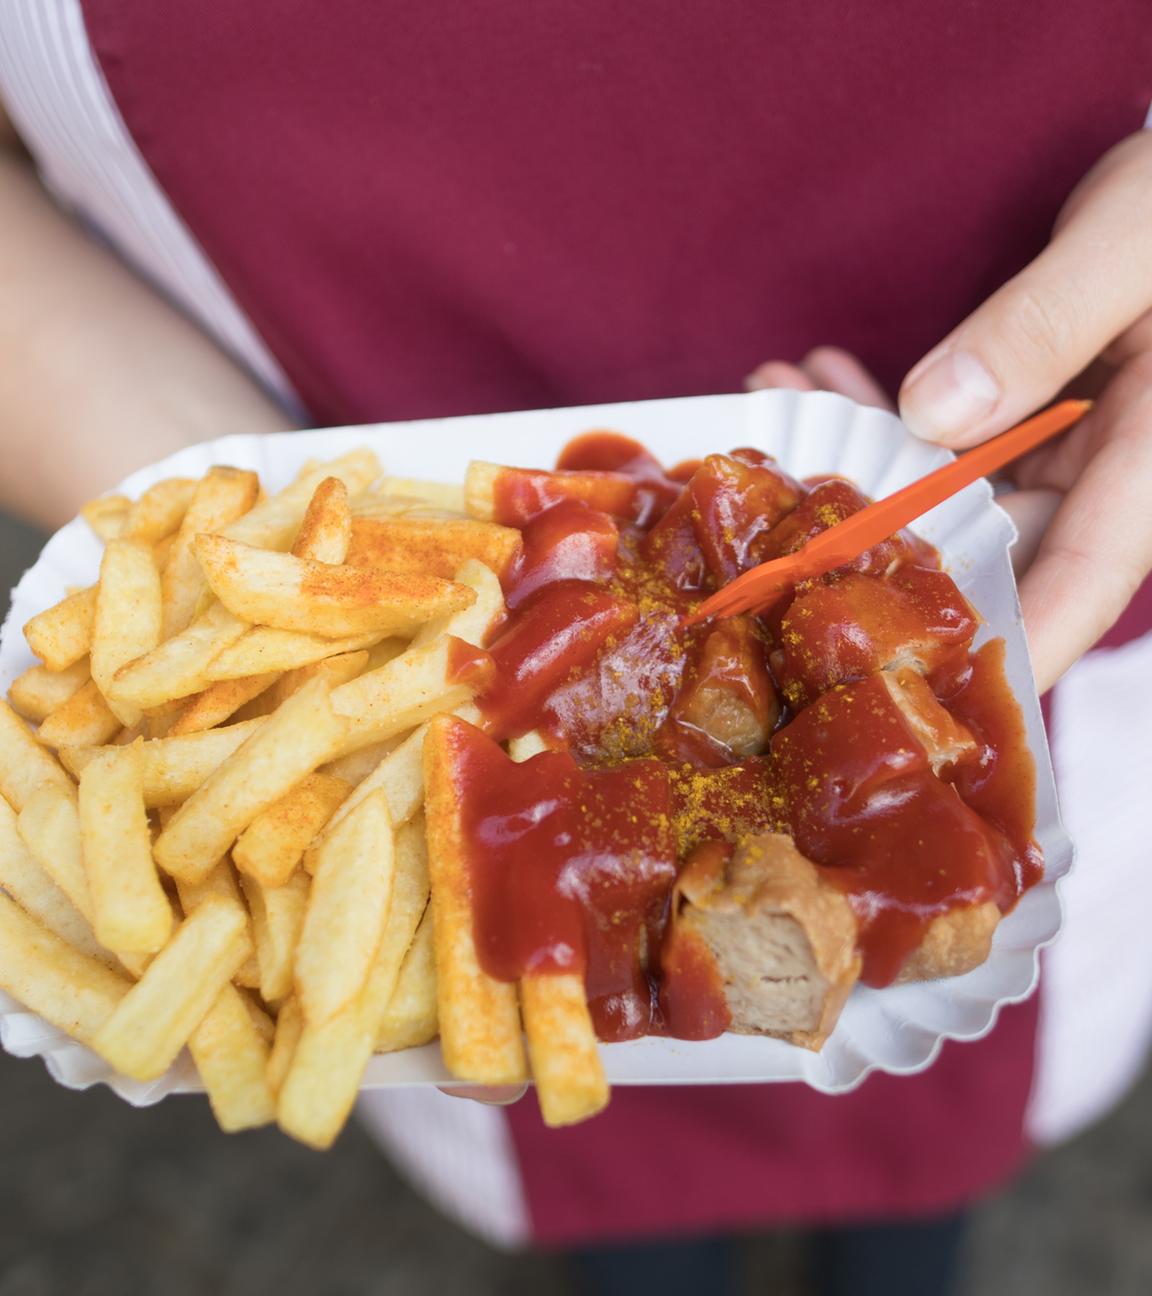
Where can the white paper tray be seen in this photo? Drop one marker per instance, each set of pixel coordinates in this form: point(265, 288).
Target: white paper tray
point(899, 1029)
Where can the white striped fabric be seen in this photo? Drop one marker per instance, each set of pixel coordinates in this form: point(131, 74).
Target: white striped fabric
point(58, 100)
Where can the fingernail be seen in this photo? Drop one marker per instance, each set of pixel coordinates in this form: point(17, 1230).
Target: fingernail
point(951, 395)
point(755, 382)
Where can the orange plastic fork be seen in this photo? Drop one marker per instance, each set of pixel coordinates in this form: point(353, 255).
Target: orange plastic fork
point(850, 538)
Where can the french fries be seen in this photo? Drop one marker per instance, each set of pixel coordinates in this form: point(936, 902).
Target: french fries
point(173, 768)
point(265, 649)
point(130, 912)
point(347, 908)
point(286, 746)
point(219, 702)
point(49, 976)
point(290, 593)
point(328, 1058)
point(126, 624)
point(273, 523)
point(24, 764)
point(251, 712)
point(222, 496)
point(222, 882)
point(62, 634)
point(153, 1021)
point(231, 1054)
point(431, 545)
point(273, 844)
point(159, 511)
point(401, 694)
point(326, 529)
point(49, 825)
point(84, 720)
point(277, 920)
point(38, 895)
point(107, 515)
point(178, 667)
point(479, 1016)
point(566, 1065)
point(410, 1018)
point(39, 691)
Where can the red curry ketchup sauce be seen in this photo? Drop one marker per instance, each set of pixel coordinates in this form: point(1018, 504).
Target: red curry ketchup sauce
point(667, 739)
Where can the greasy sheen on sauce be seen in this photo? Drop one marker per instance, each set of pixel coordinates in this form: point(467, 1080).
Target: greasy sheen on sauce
point(665, 738)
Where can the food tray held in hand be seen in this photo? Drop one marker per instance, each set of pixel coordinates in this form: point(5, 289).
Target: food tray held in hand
point(899, 1029)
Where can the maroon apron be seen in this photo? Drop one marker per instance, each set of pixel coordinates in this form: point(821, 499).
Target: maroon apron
point(434, 208)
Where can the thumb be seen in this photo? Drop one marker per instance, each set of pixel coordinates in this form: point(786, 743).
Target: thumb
point(1047, 324)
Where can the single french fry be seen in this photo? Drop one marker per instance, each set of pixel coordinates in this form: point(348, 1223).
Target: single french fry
point(153, 1021)
point(410, 1019)
point(287, 745)
point(265, 1026)
point(479, 1016)
point(566, 1065)
point(277, 917)
point(289, 1024)
point(380, 654)
point(328, 1059)
point(394, 493)
point(161, 551)
point(347, 911)
point(272, 846)
point(474, 624)
point(323, 1076)
point(127, 620)
point(107, 515)
point(400, 775)
point(290, 593)
point(62, 634)
point(130, 911)
point(433, 545)
point(273, 522)
point(174, 768)
point(37, 894)
point(527, 745)
point(326, 529)
point(37, 692)
point(49, 977)
point(337, 670)
point(24, 763)
point(264, 649)
point(159, 511)
point(222, 495)
point(231, 1056)
point(178, 667)
point(221, 882)
point(356, 766)
point(218, 702)
point(158, 720)
point(402, 694)
point(532, 490)
point(410, 891)
point(84, 720)
point(480, 489)
point(49, 825)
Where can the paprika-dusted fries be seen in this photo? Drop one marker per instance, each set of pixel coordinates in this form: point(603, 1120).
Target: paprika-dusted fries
point(479, 1016)
point(211, 825)
point(130, 912)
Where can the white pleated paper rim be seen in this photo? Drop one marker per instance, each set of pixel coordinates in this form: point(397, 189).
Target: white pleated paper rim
point(899, 1029)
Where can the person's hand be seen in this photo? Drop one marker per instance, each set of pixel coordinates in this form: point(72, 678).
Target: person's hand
point(1080, 314)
